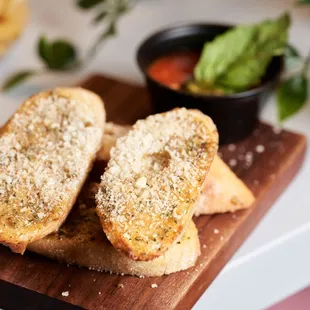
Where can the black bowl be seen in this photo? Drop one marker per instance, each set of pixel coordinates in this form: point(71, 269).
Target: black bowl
point(235, 115)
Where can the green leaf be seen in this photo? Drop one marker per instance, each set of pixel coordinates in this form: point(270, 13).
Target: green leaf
point(269, 40)
point(292, 96)
point(241, 77)
point(239, 58)
point(43, 48)
point(99, 17)
point(57, 55)
point(88, 4)
point(16, 79)
point(62, 55)
point(291, 57)
point(222, 52)
point(122, 8)
point(306, 65)
point(291, 51)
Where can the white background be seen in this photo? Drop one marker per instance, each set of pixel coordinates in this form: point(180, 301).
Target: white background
point(274, 261)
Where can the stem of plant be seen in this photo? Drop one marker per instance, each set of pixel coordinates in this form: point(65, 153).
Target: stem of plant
point(306, 65)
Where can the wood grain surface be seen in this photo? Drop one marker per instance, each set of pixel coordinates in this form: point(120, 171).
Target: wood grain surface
point(267, 174)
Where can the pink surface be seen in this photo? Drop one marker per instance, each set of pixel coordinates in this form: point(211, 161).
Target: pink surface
point(299, 301)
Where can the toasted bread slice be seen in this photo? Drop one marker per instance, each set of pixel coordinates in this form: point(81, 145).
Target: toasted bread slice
point(153, 180)
point(82, 242)
point(222, 192)
point(46, 151)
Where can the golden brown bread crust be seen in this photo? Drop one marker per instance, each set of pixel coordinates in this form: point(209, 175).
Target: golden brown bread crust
point(82, 242)
point(153, 180)
point(46, 151)
point(223, 191)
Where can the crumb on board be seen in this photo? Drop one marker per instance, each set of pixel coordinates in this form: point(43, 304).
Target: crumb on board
point(99, 293)
point(256, 132)
point(221, 238)
point(277, 130)
point(120, 285)
point(241, 157)
point(259, 148)
point(272, 176)
point(231, 147)
point(204, 246)
point(154, 285)
point(232, 162)
point(248, 159)
point(216, 231)
point(65, 294)
point(141, 276)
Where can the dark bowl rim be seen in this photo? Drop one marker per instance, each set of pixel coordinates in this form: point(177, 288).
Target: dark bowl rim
point(244, 94)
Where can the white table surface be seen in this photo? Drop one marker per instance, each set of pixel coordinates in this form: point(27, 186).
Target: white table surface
point(274, 261)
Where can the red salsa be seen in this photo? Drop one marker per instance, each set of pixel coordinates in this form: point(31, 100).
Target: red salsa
point(174, 69)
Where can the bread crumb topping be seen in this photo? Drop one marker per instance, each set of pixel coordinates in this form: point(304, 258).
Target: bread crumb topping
point(65, 294)
point(259, 148)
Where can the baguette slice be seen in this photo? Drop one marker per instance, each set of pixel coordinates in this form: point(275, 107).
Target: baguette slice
point(46, 151)
point(82, 242)
point(153, 180)
point(222, 192)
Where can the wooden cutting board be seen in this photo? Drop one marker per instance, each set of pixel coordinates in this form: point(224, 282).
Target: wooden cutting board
point(266, 173)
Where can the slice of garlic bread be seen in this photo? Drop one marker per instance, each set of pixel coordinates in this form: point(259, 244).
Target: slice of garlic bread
point(153, 180)
point(46, 151)
point(222, 192)
point(82, 242)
